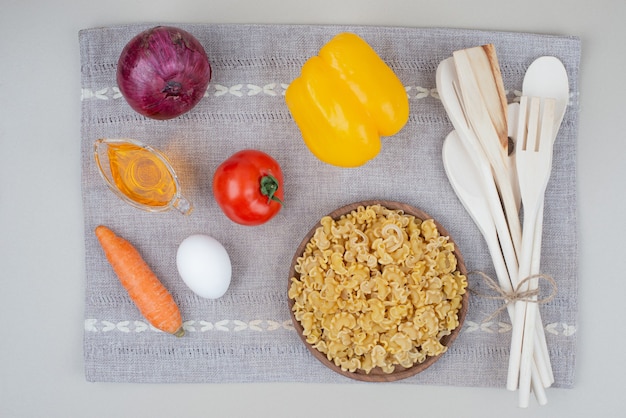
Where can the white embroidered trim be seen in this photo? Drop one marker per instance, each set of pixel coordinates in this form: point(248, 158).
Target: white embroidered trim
point(273, 90)
point(241, 90)
point(105, 93)
point(555, 328)
point(258, 325)
point(267, 325)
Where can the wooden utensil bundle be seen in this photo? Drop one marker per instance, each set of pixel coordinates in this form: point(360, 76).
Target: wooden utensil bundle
point(480, 92)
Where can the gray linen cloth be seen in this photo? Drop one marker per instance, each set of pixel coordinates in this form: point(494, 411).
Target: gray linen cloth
point(246, 336)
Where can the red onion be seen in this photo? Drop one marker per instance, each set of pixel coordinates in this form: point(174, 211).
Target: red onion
point(163, 72)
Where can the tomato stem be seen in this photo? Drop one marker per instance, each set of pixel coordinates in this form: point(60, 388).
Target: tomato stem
point(269, 186)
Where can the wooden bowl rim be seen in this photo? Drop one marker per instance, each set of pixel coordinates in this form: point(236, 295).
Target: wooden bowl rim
point(376, 374)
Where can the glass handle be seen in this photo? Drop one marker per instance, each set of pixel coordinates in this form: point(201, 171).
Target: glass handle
point(183, 205)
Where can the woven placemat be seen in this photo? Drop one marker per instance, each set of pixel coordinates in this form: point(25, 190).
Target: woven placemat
point(246, 336)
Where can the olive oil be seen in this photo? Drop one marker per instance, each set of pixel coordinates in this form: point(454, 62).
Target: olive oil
point(141, 175)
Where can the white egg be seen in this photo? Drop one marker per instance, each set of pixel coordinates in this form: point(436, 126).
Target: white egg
point(204, 266)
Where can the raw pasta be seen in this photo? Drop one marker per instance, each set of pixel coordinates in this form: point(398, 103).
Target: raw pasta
point(377, 288)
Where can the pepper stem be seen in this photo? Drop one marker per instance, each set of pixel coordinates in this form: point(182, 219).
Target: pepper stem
point(269, 186)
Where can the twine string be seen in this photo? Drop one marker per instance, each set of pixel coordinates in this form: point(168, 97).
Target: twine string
point(517, 294)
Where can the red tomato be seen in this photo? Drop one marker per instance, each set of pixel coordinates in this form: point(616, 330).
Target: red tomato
point(248, 187)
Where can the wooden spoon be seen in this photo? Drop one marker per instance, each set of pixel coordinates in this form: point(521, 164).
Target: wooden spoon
point(484, 104)
point(481, 79)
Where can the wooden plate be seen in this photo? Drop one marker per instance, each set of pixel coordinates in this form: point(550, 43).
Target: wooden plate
point(376, 374)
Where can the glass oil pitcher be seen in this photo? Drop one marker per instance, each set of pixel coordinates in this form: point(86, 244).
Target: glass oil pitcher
point(140, 175)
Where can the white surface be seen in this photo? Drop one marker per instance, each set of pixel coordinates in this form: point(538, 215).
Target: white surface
point(41, 238)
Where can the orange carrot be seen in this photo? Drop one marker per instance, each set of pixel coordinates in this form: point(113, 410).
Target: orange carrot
point(152, 299)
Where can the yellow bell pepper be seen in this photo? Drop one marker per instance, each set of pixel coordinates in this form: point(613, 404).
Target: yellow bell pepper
point(345, 99)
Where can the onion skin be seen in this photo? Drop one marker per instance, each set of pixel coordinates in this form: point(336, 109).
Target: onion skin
point(163, 72)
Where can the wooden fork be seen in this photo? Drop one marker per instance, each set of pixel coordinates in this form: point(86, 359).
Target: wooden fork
point(534, 165)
